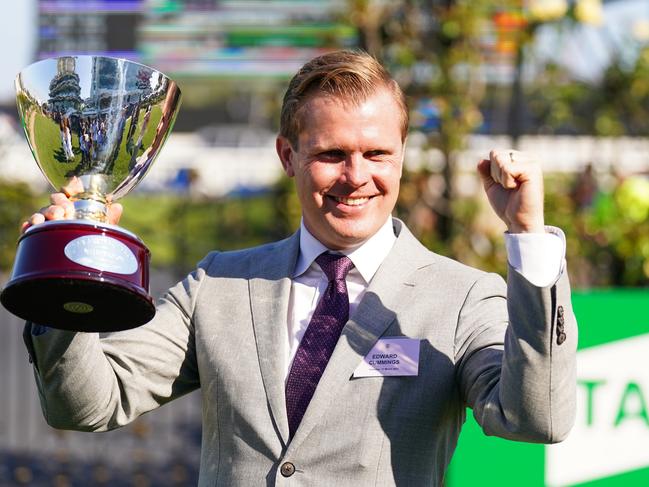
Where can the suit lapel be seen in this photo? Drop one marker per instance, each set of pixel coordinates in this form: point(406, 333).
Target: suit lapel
point(270, 288)
point(390, 288)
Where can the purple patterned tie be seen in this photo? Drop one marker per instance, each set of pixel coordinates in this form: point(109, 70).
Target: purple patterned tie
point(320, 338)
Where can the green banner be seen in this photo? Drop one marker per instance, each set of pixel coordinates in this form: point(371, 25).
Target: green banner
point(609, 445)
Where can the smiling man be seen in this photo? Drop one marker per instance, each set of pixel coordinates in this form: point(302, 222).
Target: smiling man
point(346, 160)
point(348, 353)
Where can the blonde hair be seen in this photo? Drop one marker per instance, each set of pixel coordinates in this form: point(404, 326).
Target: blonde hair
point(349, 75)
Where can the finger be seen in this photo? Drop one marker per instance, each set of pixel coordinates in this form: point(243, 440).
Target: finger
point(54, 212)
point(503, 168)
point(523, 167)
point(60, 199)
point(514, 156)
point(114, 213)
point(518, 161)
point(35, 219)
point(74, 187)
point(70, 212)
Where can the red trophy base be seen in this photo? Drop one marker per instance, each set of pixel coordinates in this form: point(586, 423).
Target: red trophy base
point(81, 276)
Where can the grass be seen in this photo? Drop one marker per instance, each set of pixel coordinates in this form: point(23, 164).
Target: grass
point(179, 231)
point(49, 149)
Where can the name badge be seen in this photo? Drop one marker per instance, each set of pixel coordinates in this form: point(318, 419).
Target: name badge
point(394, 356)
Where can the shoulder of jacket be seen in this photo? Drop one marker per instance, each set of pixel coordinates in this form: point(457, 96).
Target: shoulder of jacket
point(453, 272)
point(236, 258)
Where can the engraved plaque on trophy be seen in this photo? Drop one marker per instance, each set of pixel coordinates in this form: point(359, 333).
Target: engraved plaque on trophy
point(94, 125)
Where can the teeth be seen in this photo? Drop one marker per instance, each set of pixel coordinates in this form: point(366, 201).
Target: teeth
point(351, 201)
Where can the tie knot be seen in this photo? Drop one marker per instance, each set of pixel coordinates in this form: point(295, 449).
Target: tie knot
point(335, 266)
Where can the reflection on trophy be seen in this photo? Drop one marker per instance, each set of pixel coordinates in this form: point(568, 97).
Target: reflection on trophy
point(94, 125)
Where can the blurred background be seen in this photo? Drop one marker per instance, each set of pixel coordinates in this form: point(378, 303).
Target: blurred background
point(567, 80)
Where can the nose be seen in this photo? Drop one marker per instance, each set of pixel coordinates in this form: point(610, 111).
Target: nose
point(356, 171)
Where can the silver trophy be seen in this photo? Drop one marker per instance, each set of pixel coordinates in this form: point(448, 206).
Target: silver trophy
point(94, 125)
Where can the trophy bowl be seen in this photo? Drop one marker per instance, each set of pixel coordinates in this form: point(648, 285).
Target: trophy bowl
point(94, 125)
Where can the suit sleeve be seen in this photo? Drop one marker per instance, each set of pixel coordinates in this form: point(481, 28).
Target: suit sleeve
point(516, 358)
point(97, 382)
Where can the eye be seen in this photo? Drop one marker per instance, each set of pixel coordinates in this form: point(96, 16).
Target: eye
point(376, 154)
point(331, 155)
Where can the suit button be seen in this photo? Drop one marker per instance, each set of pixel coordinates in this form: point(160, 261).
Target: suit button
point(561, 337)
point(287, 469)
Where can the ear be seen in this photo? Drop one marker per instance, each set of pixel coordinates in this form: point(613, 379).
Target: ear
point(286, 155)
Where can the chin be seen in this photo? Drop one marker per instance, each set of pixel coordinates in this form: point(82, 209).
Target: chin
point(350, 234)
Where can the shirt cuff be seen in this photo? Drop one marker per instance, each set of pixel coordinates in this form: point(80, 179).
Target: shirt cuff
point(538, 257)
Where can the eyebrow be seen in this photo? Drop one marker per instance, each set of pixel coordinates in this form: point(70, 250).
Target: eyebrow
point(317, 148)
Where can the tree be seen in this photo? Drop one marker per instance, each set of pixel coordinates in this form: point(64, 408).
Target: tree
point(17, 202)
point(434, 49)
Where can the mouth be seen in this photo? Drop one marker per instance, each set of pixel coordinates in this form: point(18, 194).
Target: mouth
point(358, 201)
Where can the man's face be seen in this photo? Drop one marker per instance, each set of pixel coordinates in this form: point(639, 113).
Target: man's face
point(347, 166)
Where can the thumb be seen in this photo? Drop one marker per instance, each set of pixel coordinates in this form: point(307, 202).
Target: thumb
point(484, 170)
point(114, 213)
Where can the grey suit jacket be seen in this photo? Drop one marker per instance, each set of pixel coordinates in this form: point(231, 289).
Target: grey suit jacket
point(223, 329)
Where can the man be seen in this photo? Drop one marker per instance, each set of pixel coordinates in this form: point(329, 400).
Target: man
point(289, 397)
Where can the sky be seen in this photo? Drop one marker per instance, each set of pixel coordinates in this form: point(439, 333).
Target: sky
point(18, 41)
point(586, 51)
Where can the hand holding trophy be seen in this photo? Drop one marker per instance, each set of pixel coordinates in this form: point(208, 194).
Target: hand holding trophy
point(94, 125)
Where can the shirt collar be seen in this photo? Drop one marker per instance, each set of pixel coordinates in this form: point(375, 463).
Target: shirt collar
point(367, 257)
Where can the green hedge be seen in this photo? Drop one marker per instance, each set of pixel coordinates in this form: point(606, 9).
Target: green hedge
point(607, 240)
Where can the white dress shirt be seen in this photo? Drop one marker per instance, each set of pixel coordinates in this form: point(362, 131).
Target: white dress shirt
point(538, 257)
